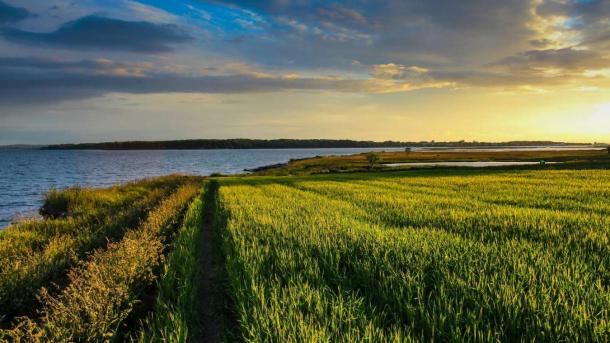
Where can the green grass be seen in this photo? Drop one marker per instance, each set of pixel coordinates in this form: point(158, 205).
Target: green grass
point(442, 255)
point(106, 292)
point(359, 162)
point(174, 314)
point(34, 254)
point(498, 254)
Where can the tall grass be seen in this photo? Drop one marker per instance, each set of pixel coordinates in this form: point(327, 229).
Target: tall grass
point(174, 314)
point(36, 253)
point(491, 256)
point(105, 292)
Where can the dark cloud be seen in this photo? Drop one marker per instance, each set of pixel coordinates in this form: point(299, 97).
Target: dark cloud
point(541, 43)
point(334, 33)
point(506, 80)
point(392, 45)
point(591, 10)
point(436, 34)
point(34, 65)
point(336, 12)
point(48, 64)
point(10, 14)
point(600, 41)
point(38, 80)
point(28, 81)
point(94, 32)
point(587, 18)
point(16, 90)
point(567, 59)
point(379, 13)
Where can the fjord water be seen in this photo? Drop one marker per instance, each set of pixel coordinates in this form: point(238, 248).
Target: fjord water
point(26, 174)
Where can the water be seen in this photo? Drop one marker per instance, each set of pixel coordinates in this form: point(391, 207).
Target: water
point(513, 148)
point(464, 164)
point(26, 174)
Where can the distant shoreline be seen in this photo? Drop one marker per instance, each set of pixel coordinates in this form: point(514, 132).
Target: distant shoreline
point(214, 144)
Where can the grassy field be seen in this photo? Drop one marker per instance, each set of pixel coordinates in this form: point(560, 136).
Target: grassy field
point(106, 291)
point(174, 313)
point(440, 255)
point(38, 253)
point(45, 265)
point(355, 163)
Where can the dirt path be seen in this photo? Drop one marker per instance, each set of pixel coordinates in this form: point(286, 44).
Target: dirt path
point(211, 296)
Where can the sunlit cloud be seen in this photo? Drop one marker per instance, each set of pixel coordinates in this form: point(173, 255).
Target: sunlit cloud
point(62, 52)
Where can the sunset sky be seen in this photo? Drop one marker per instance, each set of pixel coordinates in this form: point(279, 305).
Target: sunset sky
point(100, 70)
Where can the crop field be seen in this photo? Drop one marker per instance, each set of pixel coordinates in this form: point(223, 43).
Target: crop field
point(419, 256)
point(488, 255)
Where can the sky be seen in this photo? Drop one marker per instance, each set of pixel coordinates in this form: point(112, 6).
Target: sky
point(409, 70)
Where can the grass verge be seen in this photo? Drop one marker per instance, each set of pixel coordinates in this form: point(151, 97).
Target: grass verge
point(105, 292)
point(173, 315)
point(38, 253)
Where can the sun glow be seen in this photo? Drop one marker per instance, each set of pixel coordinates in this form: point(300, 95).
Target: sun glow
point(598, 123)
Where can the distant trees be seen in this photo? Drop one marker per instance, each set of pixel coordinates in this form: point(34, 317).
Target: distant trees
point(229, 144)
point(240, 143)
point(608, 149)
point(373, 158)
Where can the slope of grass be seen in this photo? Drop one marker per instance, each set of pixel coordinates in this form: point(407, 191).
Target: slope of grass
point(433, 255)
point(358, 162)
point(173, 316)
point(106, 292)
point(37, 253)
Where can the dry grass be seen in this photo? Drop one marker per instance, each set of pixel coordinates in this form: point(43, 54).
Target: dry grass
point(103, 291)
point(37, 253)
point(359, 162)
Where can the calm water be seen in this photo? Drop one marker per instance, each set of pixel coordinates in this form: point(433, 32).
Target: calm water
point(464, 164)
point(26, 174)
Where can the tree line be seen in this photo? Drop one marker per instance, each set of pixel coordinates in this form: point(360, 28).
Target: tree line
point(281, 144)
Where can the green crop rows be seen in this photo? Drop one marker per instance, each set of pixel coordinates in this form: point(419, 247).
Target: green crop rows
point(490, 256)
point(432, 255)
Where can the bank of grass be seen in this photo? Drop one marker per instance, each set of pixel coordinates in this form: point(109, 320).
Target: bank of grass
point(106, 291)
point(173, 317)
point(433, 255)
point(34, 254)
point(359, 162)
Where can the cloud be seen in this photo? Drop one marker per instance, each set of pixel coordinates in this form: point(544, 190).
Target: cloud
point(375, 31)
point(478, 42)
point(586, 20)
point(30, 80)
point(10, 14)
point(101, 33)
point(392, 77)
point(99, 66)
point(558, 60)
point(16, 90)
point(398, 71)
point(336, 12)
point(541, 42)
point(285, 45)
point(591, 10)
point(26, 81)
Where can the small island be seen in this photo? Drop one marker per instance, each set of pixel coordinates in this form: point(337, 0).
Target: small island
point(243, 143)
